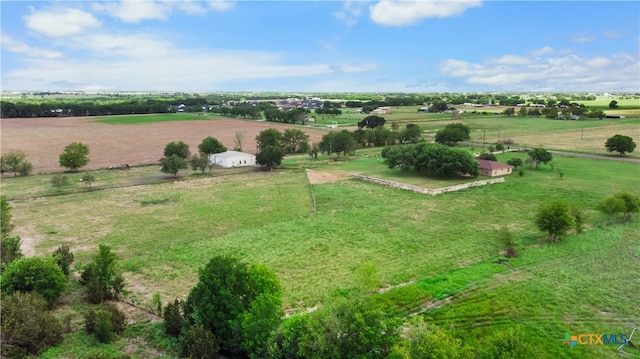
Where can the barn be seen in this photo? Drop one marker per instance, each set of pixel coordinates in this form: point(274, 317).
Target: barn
point(232, 159)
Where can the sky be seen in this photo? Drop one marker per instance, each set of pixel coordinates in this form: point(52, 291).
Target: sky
point(321, 46)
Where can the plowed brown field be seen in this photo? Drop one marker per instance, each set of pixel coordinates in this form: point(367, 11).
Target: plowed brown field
point(43, 139)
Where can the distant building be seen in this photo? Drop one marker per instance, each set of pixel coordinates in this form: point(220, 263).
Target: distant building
point(232, 159)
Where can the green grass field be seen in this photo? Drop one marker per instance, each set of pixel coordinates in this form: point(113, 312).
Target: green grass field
point(434, 247)
point(140, 119)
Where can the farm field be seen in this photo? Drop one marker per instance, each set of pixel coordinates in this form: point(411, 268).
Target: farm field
point(43, 139)
point(425, 249)
point(320, 230)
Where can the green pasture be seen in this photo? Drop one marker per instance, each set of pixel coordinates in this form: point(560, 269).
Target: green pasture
point(141, 119)
point(430, 247)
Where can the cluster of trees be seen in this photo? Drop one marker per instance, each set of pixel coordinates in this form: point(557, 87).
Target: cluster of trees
point(432, 159)
point(15, 162)
point(328, 111)
point(557, 218)
point(177, 156)
point(32, 286)
point(553, 111)
point(290, 116)
point(98, 107)
point(236, 307)
point(274, 145)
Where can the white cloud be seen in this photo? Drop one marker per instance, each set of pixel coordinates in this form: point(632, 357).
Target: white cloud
point(560, 73)
point(350, 12)
point(60, 22)
point(12, 45)
point(354, 67)
point(143, 62)
point(512, 60)
point(134, 11)
point(402, 13)
point(220, 5)
point(581, 38)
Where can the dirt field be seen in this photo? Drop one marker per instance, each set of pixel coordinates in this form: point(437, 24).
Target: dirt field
point(320, 177)
point(43, 139)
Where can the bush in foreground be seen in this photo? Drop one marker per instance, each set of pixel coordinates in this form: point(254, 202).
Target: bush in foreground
point(34, 274)
point(27, 327)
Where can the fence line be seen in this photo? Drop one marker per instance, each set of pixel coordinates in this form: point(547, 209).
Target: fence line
point(313, 196)
point(428, 191)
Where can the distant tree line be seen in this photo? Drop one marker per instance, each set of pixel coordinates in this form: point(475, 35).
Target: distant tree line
point(97, 107)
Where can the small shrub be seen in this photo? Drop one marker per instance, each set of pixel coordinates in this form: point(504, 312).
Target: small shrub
point(59, 180)
point(63, 258)
point(173, 320)
point(499, 147)
point(88, 179)
point(199, 342)
point(117, 321)
point(507, 241)
point(492, 148)
point(507, 141)
point(521, 172)
point(579, 217)
point(103, 328)
point(156, 301)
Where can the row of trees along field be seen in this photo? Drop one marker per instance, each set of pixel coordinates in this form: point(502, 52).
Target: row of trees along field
point(236, 307)
point(246, 106)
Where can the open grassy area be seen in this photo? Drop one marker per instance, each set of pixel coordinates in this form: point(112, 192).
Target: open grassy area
point(161, 117)
point(434, 247)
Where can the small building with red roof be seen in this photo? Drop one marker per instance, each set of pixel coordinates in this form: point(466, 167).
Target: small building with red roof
point(493, 168)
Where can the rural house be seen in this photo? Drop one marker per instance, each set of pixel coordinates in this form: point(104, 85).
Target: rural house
point(232, 159)
point(493, 168)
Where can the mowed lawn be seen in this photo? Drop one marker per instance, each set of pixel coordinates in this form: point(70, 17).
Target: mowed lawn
point(442, 246)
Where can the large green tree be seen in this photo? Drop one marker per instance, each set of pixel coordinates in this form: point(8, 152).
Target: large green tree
point(239, 303)
point(269, 137)
point(452, 134)
point(210, 146)
point(270, 156)
point(411, 134)
point(295, 141)
point(540, 155)
point(179, 148)
point(338, 142)
point(443, 161)
point(74, 156)
point(173, 164)
point(34, 274)
point(621, 144)
point(372, 122)
point(554, 218)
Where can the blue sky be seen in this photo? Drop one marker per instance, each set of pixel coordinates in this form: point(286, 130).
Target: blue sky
point(321, 46)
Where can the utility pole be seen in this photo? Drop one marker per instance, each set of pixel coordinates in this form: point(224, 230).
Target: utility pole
point(484, 138)
point(582, 134)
